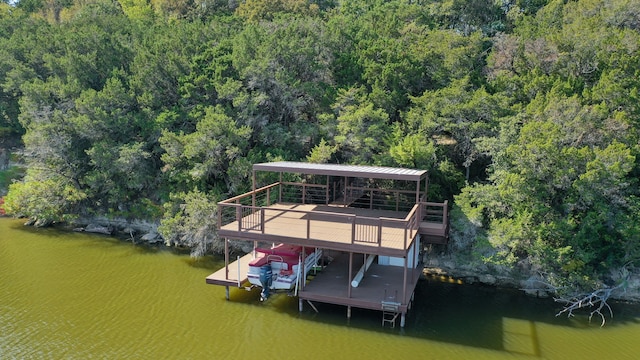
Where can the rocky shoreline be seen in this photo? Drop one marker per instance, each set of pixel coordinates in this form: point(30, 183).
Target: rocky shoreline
point(138, 231)
point(529, 282)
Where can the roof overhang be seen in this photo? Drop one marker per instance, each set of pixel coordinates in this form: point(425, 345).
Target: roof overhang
point(359, 171)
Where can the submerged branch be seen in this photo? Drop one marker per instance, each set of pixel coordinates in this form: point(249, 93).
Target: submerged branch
point(597, 299)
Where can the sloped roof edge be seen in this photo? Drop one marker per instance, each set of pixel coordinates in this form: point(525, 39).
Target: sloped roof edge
point(361, 171)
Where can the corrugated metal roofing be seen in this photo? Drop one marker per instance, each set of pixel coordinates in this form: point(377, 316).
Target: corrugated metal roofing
point(367, 172)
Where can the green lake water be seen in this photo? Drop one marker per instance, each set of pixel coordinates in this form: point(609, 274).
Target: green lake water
point(78, 296)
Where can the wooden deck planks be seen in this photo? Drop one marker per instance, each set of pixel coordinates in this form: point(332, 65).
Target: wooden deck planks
point(380, 283)
point(324, 223)
point(220, 277)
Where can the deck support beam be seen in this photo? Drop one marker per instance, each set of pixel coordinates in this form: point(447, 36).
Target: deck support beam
point(226, 258)
point(326, 194)
point(253, 188)
point(303, 277)
point(404, 280)
point(349, 278)
point(226, 292)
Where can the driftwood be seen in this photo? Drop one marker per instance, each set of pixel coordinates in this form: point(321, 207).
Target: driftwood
point(596, 299)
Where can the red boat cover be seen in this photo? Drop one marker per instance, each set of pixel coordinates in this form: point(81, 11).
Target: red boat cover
point(285, 250)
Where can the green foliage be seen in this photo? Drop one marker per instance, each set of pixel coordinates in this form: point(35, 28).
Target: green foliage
point(255, 10)
point(190, 220)
point(206, 154)
point(524, 112)
point(321, 153)
point(48, 200)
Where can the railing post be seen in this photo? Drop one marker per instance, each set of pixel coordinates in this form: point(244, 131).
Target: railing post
point(239, 216)
point(379, 232)
point(303, 193)
point(445, 211)
point(262, 220)
point(326, 192)
point(268, 196)
point(353, 229)
point(219, 216)
point(334, 191)
point(370, 199)
point(405, 238)
point(308, 225)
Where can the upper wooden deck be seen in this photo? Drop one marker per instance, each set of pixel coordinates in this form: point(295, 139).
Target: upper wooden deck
point(329, 226)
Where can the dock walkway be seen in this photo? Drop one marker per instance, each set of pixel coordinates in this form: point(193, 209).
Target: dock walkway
point(237, 273)
point(380, 284)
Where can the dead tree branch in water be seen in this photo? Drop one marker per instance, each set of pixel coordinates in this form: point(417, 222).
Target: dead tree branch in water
point(596, 299)
point(574, 300)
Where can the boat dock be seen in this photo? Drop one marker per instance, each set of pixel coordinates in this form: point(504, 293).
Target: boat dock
point(374, 234)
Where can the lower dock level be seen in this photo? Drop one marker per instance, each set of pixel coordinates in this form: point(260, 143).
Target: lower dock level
point(381, 285)
point(388, 289)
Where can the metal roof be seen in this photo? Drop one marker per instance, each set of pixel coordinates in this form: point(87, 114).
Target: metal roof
point(361, 171)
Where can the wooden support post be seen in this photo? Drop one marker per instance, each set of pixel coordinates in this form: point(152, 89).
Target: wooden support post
point(350, 277)
point(262, 222)
point(379, 233)
point(345, 192)
point(253, 192)
point(353, 230)
point(226, 258)
point(299, 304)
point(326, 195)
point(404, 282)
point(304, 192)
point(334, 191)
point(403, 319)
point(226, 292)
point(280, 189)
point(303, 277)
point(239, 215)
point(268, 197)
point(426, 187)
point(348, 312)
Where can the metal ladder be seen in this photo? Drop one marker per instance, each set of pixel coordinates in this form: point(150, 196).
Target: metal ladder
point(390, 310)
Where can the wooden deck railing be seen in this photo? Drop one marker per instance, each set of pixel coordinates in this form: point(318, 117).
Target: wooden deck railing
point(251, 218)
point(435, 212)
point(435, 217)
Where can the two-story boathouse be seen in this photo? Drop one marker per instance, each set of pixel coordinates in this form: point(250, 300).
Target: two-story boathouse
point(374, 221)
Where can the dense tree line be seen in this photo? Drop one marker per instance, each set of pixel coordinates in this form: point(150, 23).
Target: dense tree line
point(525, 112)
